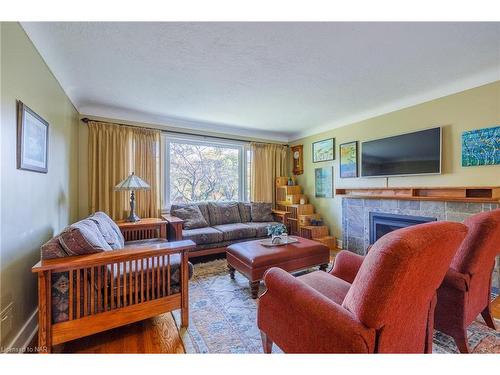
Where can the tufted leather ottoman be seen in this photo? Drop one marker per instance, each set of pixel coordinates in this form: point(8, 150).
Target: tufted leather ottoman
point(252, 259)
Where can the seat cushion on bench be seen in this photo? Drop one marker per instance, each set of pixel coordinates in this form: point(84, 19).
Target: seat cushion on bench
point(261, 227)
point(236, 231)
point(202, 236)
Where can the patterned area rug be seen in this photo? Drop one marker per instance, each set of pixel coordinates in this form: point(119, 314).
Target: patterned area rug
point(223, 317)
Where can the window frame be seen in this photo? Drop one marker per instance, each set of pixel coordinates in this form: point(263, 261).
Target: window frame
point(241, 146)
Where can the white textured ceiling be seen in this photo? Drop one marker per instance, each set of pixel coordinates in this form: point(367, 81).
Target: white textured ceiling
point(273, 80)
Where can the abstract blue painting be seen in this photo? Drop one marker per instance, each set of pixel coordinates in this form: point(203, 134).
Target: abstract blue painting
point(481, 147)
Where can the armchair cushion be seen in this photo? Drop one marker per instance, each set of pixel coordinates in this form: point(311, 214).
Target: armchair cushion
point(235, 231)
point(330, 286)
point(224, 213)
point(108, 228)
point(262, 211)
point(192, 216)
point(83, 237)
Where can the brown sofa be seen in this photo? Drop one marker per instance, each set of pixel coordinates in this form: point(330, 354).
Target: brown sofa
point(91, 280)
point(220, 224)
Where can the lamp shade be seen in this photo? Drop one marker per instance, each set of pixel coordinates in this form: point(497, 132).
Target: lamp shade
point(132, 182)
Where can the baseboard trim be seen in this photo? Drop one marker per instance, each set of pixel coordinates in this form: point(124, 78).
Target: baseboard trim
point(21, 342)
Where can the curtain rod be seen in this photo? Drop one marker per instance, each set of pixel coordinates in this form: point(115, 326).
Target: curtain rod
point(86, 120)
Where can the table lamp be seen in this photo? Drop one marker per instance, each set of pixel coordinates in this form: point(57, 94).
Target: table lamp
point(132, 183)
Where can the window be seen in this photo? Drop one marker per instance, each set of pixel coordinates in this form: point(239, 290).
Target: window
point(204, 170)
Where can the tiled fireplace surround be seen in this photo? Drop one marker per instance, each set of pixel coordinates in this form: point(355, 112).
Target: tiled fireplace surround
point(356, 218)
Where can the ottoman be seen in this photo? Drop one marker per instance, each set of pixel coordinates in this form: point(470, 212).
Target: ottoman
point(252, 259)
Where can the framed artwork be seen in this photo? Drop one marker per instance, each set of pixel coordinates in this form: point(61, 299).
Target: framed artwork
point(32, 140)
point(323, 182)
point(323, 150)
point(481, 147)
point(348, 159)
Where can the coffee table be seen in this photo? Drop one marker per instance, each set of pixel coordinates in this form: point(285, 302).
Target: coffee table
point(252, 259)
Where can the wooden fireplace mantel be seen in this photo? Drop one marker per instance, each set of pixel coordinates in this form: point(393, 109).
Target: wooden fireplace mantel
point(481, 194)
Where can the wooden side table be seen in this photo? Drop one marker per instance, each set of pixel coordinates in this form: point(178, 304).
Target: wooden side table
point(143, 229)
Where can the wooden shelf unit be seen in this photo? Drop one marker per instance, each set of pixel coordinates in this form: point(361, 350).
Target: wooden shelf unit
point(482, 194)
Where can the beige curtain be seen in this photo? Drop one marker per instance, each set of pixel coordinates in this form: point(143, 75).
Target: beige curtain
point(268, 162)
point(115, 151)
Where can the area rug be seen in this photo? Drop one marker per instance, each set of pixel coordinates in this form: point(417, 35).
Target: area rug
point(222, 317)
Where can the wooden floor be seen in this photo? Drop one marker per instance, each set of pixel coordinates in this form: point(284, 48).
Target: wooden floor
point(155, 335)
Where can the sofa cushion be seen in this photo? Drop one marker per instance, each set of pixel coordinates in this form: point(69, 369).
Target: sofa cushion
point(261, 227)
point(192, 216)
point(108, 228)
point(236, 231)
point(245, 211)
point(83, 237)
point(202, 235)
point(224, 213)
point(262, 211)
point(52, 249)
point(203, 206)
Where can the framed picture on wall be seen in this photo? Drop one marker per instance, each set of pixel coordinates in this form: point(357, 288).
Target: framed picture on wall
point(323, 182)
point(348, 159)
point(323, 150)
point(32, 140)
point(481, 147)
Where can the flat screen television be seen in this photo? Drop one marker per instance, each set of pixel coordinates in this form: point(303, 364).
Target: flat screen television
point(405, 154)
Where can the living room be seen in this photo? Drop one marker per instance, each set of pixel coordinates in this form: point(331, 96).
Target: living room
point(250, 187)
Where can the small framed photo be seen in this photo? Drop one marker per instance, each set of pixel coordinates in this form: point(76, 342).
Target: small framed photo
point(323, 182)
point(32, 140)
point(323, 150)
point(348, 159)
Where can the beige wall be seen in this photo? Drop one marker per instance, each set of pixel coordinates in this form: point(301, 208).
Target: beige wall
point(471, 109)
point(34, 206)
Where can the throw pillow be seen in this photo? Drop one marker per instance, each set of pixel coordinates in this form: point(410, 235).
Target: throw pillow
point(52, 249)
point(192, 216)
point(262, 211)
point(245, 212)
point(108, 228)
point(83, 237)
point(224, 213)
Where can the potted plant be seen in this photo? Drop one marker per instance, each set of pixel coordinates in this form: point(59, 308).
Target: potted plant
point(277, 232)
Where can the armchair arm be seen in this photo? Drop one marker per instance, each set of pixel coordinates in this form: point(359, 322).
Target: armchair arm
point(456, 280)
point(174, 227)
point(299, 319)
point(347, 265)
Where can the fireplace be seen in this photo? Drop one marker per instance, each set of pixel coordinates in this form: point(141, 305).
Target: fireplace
point(383, 223)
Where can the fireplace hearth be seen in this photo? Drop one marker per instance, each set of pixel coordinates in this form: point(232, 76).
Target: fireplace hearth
point(382, 223)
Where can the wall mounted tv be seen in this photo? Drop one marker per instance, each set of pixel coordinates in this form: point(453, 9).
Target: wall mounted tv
point(405, 154)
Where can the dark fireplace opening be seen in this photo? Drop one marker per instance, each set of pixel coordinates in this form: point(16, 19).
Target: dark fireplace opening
point(383, 223)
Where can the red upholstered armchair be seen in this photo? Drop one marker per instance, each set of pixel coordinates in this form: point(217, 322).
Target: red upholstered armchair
point(465, 291)
point(388, 308)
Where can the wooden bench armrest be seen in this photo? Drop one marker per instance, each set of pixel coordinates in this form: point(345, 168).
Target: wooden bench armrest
point(172, 219)
point(174, 227)
point(109, 257)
